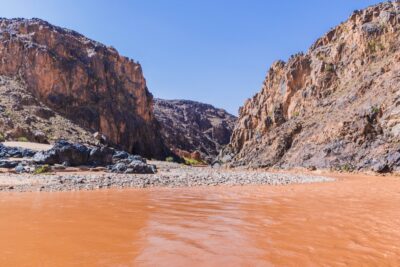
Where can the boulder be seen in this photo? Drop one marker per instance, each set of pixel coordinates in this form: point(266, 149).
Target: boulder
point(8, 164)
point(136, 158)
point(44, 113)
point(19, 169)
point(50, 157)
point(40, 137)
point(196, 155)
point(140, 167)
point(393, 159)
point(64, 152)
point(119, 168)
point(15, 152)
point(127, 163)
point(380, 166)
point(73, 154)
point(118, 155)
point(134, 166)
point(22, 168)
point(101, 156)
point(101, 138)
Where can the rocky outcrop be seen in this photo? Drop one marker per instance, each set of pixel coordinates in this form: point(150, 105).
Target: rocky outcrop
point(23, 117)
point(83, 80)
point(64, 154)
point(336, 106)
point(15, 152)
point(192, 129)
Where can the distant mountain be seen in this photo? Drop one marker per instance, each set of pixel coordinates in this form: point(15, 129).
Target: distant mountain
point(188, 127)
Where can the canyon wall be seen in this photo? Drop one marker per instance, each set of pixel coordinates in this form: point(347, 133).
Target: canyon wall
point(192, 129)
point(335, 106)
point(85, 81)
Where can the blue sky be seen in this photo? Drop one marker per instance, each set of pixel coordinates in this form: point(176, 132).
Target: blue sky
point(214, 51)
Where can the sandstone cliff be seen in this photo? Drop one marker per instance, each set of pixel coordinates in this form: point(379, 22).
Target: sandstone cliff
point(336, 106)
point(83, 80)
point(193, 129)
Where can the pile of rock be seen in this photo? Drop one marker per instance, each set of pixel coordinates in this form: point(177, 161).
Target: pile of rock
point(8, 153)
point(124, 162)
point(15, 152)
point(65, 154)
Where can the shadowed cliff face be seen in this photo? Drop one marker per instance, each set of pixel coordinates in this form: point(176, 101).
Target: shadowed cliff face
point(83, 80)
point(336, 106)
point(192, 129)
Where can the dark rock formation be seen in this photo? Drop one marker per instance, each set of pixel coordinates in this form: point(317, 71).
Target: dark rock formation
point(15, 152)
point(8, 164)
point(135, 166)
point(85, 81)
point(64, 153)
point(193, 129)
point(100, 156)
point(73, 154)
point(336, 106)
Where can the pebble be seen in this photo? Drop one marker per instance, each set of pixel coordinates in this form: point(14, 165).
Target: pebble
point(169, 175)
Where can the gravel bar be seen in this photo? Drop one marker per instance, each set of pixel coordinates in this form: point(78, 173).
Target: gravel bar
point(169, 175)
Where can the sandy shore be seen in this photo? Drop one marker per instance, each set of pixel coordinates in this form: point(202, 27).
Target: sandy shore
point(29, 145)
point(168, 175)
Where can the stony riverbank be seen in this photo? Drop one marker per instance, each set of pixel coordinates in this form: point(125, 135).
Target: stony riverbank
point(168, 175)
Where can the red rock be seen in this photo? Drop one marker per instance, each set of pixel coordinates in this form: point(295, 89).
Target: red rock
point(84, 80)
point(336, 106)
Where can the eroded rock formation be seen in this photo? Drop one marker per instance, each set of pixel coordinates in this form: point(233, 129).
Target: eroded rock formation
point(336, 106)
point(192, 129)
point(23, 117)
point(85, 81)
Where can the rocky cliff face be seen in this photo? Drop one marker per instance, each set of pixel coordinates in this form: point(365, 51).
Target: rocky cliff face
point(85, 81)
point(193, 129)
point(336, 106)
point(23, 117)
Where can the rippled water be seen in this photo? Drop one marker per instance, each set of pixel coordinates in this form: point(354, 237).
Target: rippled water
point(350, 222)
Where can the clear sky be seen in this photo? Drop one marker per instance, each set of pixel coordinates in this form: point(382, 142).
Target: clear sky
point(214, 51)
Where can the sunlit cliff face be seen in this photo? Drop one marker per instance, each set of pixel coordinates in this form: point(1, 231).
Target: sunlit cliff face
point(82, 79)
point(334, 105)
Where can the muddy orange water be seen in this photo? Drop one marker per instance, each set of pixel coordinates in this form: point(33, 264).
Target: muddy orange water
point(351, 222)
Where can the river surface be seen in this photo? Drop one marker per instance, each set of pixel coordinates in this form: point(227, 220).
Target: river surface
point(351, 222)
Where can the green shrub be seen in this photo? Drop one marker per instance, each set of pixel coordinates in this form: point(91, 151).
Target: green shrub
point(7, 113)
point(2, 138)
point(169, 159)
point(329, 67)
point(374, 46)
point(42, 169)
point(22, 139)
point(321, 57)
point(375, 109)
point(189, 161)
point(296, 114)
point(347, 167)
point(371, 47)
